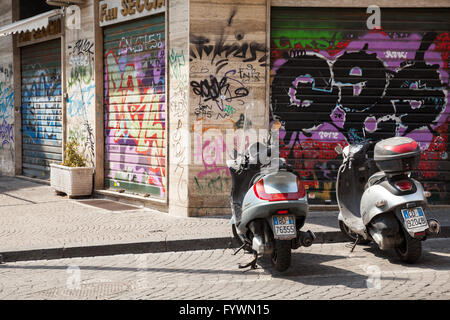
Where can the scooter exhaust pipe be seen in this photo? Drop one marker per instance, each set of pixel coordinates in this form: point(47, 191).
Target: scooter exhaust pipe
point(307, 238)
point(434, 227)
point(377, 237)
point(258, 244)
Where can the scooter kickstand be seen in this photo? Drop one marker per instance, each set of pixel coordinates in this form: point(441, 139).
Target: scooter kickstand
point(354, 245)
point(251, 264)
point(240, 248)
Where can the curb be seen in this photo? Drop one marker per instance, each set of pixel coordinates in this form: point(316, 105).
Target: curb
point(35, 180)
point(156, 247)
point(116, 249)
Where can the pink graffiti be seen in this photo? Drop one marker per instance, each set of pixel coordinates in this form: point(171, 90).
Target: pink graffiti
point(212, 155)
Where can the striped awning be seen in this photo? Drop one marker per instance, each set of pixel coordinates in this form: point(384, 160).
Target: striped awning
point(34, 23)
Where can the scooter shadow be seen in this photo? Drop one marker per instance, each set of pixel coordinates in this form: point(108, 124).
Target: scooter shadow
point(309, 269)
point(428, 260)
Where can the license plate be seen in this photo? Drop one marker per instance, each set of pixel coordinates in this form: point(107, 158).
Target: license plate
point(415, 220)
point(284, 227)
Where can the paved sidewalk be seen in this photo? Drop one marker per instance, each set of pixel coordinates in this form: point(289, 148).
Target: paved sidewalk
point(36, 223)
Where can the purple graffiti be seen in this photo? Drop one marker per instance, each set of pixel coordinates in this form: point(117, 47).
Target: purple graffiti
point(6, 133)
point(363, 94)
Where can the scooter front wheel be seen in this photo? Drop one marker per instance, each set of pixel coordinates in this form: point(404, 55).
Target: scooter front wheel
point(410, 250)
point(351, 235)
point(281, 255)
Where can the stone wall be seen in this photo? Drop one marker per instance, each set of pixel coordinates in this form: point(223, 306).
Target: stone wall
point(6, 94)
point(80, 84)
point(178, 106)
point(228, 52)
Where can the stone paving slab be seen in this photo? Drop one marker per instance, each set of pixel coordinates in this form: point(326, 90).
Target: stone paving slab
point(322, 272)
point(35, 221)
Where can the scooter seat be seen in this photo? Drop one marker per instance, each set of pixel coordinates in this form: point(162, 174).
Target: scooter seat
point(375, 179)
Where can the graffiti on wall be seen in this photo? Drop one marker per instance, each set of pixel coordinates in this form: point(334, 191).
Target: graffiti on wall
point(224, 69)
point(6, 106)
point(179, 109)
point(135, 124)
point(41, 109)
point(353, 87)
point(6, 101)
point(220, 51)
point(81, 95)
point(137, 44)
point(6, 133)
point(6, 119)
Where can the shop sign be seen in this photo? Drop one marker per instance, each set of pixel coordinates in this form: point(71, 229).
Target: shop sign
point(52, 30)
point(115, 11)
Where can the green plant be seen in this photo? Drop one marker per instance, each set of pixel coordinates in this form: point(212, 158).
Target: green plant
point(73, 158)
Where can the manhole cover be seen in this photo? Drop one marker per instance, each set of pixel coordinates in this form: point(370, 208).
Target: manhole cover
point(108, 205)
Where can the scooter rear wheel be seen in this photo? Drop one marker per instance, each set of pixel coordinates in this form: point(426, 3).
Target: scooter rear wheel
point(351, 235)
point(410, 250)
point(281, 255)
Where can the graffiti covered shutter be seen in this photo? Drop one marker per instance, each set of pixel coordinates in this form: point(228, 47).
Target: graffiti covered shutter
point(135, 106)
point(334, 81)
point(41, 108)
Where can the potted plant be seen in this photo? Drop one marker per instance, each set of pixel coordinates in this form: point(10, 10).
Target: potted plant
point(72, 176)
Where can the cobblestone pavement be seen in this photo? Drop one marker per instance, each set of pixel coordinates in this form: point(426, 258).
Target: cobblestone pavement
point(322, 271)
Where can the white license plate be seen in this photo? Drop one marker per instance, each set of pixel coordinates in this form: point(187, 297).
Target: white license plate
point(415, 220)
point(284, 227)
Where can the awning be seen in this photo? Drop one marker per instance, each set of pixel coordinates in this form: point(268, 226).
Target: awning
point(29, 24)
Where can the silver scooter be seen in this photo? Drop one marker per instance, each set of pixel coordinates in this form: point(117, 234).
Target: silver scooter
point(269, 206)
point(379, 201)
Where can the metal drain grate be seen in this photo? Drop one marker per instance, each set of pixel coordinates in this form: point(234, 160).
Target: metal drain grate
point(108, 205)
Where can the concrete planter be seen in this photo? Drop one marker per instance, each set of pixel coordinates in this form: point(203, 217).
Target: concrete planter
point(74, 182)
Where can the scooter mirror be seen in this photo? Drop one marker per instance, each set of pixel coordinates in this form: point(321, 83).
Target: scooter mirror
point(338, 149)
point(231, 163)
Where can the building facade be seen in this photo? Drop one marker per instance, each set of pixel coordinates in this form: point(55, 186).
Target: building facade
point(153, 90)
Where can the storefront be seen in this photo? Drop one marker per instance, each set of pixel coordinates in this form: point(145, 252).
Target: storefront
point(41, 108)
point(135, 98)
point(335, 81)
point(39, 57)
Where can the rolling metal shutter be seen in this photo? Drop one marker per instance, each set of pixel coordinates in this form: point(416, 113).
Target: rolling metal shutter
point(334, 81)
point(135, 106)
point(41, 108)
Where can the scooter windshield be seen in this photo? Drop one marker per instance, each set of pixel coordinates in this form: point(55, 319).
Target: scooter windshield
point(245, 144)
point(256, 152)
point(261, 144)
